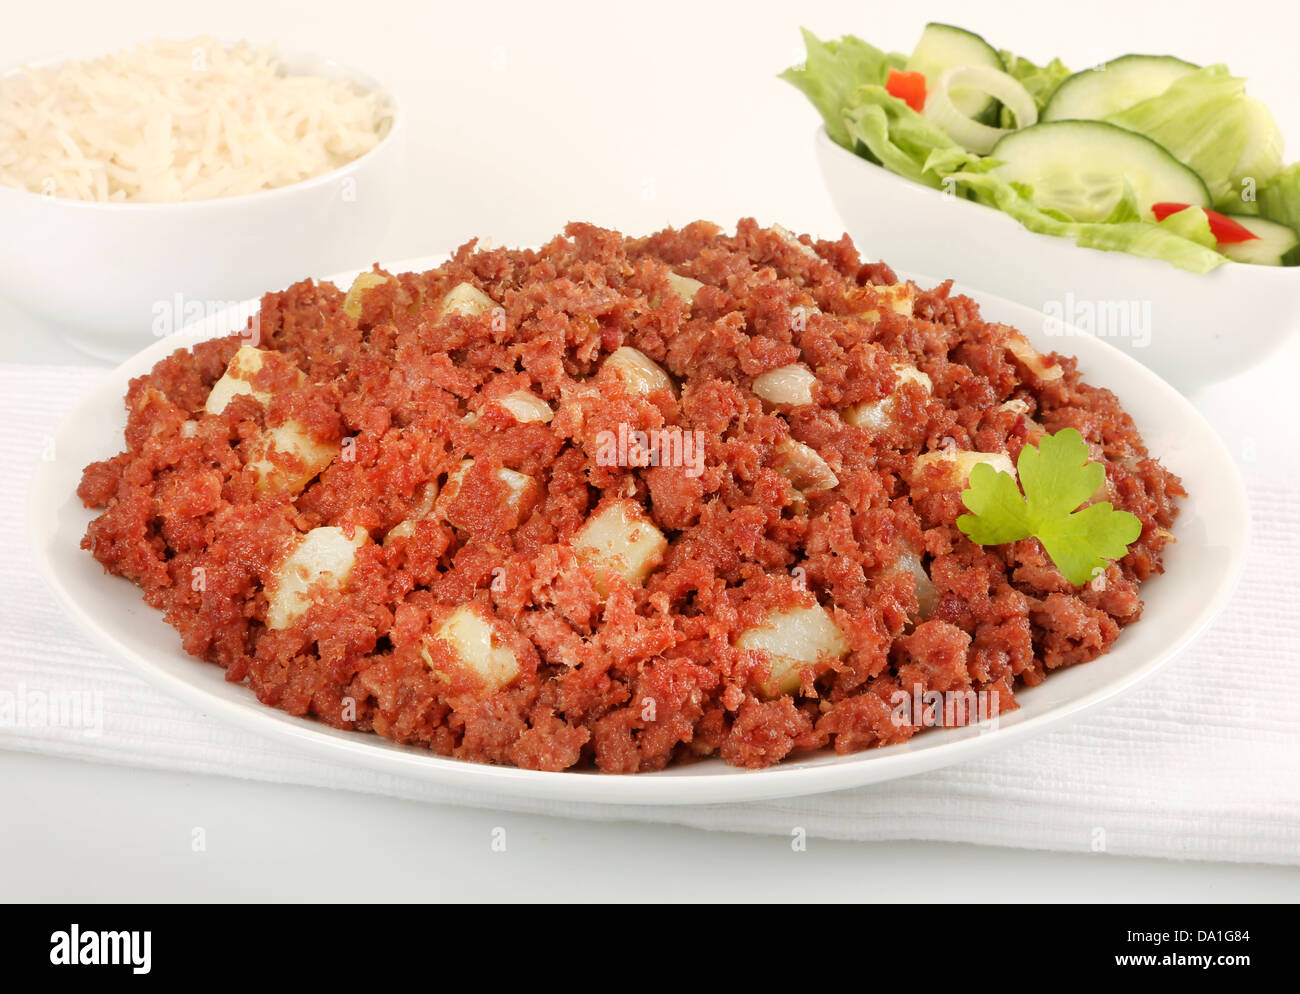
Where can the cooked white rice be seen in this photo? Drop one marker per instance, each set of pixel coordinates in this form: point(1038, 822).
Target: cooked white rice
point(179, 120)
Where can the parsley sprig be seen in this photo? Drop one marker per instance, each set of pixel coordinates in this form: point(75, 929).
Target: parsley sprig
point(1056, 477)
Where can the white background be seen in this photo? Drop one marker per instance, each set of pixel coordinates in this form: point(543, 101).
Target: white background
point(522, 117)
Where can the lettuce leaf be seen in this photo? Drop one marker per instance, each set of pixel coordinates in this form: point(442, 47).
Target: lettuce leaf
point(1126, 209)
point(897, 136)
point(1279, 198)
point(1040, 81)
point(1206, 121)
point(833, 73)
point(1261, 159)
point(1192, 224)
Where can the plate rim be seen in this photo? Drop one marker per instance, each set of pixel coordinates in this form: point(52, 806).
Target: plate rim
point(728, 784)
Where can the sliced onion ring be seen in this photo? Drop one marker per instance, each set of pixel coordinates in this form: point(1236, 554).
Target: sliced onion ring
point(972, 135)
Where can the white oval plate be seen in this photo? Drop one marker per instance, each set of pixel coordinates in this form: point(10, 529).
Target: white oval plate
point(1202, 569)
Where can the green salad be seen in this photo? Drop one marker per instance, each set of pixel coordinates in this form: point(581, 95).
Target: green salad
point(1145, 154)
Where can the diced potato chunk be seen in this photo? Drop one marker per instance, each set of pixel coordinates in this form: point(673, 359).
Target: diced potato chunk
point(323, 558)
point(523, 490)
point(426, 497)
point(684, 287)
point(874, 415)
point(403, 529)
point(294, 439)
point(1034, 431)
point(469, 634)
point(364, 282)
point(1031, 358)
point(910, 374)
point(636, 371)
point(794, 640)
point(788, 386)
point(425, 500)
point(517, 482)
point(901, 298)
point(791, 239)
point(807, 471)
point(620, 538)
point(959, 462)
point(466, 299)
point(877, 415)
point(927, 596)
point(520, 484)
point(526, 407)
point(897, 297)
point(234, 381)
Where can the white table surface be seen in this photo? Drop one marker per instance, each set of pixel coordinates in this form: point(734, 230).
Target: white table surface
point(524, 116)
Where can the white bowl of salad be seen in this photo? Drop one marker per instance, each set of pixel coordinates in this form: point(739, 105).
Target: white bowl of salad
point(1144, 201)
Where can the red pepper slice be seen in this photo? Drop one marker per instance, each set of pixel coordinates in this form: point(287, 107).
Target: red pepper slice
point(908, 87)
point(1225, 230)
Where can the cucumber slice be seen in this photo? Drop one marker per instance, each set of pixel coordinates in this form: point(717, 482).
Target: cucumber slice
point(1080, 167)
point(1275, 243)
point(1114, 86)
point(943, 46)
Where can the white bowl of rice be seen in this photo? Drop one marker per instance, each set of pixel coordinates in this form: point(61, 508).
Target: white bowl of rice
point(143, 190)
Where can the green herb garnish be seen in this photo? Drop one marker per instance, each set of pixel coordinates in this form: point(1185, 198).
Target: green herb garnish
point(1057, 477)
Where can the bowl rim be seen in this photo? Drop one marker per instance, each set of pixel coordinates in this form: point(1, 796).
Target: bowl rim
point(814, 773)
point(362, 78)
point(823, 140)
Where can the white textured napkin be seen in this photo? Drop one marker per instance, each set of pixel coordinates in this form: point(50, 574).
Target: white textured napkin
point(1202, 761)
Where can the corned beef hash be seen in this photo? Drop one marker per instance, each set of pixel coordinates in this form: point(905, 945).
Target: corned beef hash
point(617, 503)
